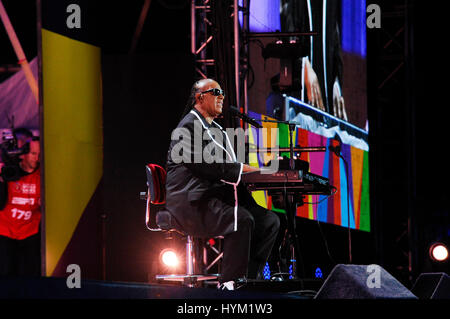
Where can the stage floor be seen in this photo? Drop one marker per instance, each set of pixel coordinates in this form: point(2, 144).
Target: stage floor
point(57, 288)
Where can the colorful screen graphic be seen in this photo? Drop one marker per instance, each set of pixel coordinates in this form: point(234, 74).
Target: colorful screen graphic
point(350, 204)
point(317, 82)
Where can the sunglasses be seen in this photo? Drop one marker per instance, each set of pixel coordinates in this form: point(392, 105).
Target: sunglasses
point(215, 92)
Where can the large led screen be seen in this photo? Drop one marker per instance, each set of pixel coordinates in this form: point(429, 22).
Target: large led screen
point(315, 76)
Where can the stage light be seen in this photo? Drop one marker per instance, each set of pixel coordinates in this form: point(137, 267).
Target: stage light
point(438, 252)
point(169, 258)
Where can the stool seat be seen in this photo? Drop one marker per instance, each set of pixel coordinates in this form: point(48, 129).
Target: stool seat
point(159, 219)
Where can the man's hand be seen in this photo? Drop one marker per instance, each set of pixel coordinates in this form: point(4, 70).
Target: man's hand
point(312, 87)
point(248, 168)
point(338, 102)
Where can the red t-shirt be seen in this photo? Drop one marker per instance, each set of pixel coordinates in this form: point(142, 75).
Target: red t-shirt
point(21, 216)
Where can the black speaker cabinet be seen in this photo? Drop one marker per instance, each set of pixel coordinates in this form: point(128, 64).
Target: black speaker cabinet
point(362, 282)
point(432, 286)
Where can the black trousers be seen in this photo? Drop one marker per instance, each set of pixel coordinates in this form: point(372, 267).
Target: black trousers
point(246, 251)
point(20, 257)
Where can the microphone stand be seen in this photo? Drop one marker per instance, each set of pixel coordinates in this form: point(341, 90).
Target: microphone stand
point(289, 198)
point(291, 206)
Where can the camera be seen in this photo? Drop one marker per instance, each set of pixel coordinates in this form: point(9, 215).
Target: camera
point(10, 155)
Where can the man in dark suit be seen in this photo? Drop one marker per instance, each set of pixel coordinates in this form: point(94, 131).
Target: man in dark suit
point(203, 190)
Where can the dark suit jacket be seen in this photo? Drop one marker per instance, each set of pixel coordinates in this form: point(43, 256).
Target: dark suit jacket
point(202, 178)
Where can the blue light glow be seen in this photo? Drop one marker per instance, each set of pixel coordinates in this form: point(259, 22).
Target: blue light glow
point(291, 271)
point(264, 16)
point(354, 27)
point(266, 272)
point(318, 273)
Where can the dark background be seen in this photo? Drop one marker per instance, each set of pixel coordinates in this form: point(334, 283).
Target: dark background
point(145, 93)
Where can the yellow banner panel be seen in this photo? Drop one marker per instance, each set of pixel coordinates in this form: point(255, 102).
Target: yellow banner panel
point(73, 142)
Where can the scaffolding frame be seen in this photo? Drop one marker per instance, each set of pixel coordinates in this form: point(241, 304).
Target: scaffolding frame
point(201, 42)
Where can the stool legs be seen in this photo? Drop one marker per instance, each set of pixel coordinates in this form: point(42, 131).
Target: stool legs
point(190, 279)
point(189, 256)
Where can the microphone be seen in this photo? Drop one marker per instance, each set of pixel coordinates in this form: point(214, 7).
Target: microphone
point(244, 117)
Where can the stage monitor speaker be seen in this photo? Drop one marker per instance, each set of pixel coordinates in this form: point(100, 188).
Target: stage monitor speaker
point(432, 286)
point(362, 282)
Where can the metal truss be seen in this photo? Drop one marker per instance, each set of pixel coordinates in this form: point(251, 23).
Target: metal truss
point(201, 38)
point(394, 59)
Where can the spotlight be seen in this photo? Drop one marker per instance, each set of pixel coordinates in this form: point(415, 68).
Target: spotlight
point(438, 252)
point(169, 258)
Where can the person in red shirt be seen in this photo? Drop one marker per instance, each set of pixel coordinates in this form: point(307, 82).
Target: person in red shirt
point(20, 214)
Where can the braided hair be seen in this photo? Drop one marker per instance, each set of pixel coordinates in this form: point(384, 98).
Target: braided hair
point(191, 100)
